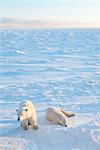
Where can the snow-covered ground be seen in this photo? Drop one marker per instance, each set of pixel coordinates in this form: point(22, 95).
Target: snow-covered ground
point(51, 68)
point(83, 133)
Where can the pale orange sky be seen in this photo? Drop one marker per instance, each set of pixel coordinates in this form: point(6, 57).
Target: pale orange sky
point(57, 12)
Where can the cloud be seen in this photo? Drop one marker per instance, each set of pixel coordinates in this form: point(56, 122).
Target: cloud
point(21, 23)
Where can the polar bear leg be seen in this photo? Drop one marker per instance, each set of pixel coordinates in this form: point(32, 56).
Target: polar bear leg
point(35, 126)
point(68, 114)
point(32, 123)
point(24, 124)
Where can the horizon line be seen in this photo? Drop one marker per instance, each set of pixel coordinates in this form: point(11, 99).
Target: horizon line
point(40, 23)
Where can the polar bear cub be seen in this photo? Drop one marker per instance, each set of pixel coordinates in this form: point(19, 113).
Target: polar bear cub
point(27, 115)
point(58, 116)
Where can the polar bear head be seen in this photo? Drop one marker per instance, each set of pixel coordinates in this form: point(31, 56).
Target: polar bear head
point(23, 113)
point(63, 120)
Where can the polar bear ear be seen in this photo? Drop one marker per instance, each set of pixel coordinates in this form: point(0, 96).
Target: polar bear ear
point(16, 110)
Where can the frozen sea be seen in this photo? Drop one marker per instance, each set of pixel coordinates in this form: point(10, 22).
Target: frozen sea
point(52, 67)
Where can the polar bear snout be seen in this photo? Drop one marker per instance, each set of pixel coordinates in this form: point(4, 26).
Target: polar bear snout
point(18, 119)
point(66, 125)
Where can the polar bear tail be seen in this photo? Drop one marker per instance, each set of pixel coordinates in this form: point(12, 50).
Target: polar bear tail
point(68, 114)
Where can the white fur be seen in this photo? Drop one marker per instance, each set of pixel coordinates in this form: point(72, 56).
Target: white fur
point(27, 115)
point(55, 116)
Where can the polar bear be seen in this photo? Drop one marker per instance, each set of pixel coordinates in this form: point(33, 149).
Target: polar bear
point(27, 115)
point(58, 116)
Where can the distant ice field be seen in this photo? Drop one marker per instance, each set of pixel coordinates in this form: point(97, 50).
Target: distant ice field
point(51, 66)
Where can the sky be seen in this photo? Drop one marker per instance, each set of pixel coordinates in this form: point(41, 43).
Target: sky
point(69, 11)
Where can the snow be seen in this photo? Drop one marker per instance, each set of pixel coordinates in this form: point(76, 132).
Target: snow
point(51, 68)
point(80, 134)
